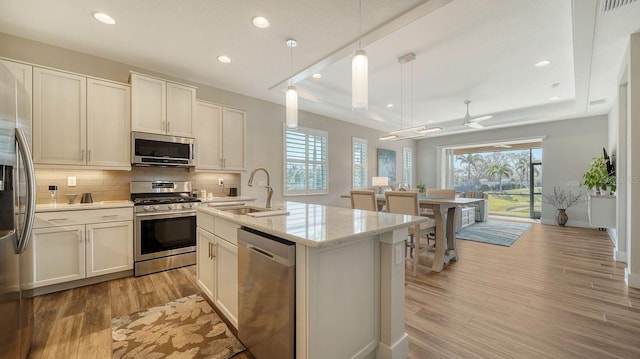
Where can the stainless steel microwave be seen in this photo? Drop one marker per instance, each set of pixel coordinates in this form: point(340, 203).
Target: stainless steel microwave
point(149, 149)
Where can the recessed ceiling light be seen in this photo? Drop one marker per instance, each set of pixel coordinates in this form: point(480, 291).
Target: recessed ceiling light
point(260, 22)
point(543, 63)
point(104, 18)
point(555, 85)
point(390, 105)
point(317, 76)
point(224, 59)
point(554, 98)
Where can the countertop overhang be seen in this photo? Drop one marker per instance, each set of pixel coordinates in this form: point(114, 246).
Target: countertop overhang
point(319, 226)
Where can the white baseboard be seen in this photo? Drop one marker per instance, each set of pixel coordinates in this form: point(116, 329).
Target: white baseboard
point(620, 256)
point(552, 222)
point(632, 280)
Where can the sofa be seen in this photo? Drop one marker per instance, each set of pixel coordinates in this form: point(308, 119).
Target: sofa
point(482, 209)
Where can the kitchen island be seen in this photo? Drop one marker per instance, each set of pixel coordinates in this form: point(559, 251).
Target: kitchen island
point(349, 276)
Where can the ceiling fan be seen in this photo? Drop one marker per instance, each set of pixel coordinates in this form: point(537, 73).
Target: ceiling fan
point(474, 122)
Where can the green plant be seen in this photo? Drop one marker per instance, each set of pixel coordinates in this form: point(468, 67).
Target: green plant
point(598, 177)
point(421, 187)
point(561, 199)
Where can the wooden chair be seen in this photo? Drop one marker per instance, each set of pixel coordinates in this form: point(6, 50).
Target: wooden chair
point(404, 202)
point(364, 199)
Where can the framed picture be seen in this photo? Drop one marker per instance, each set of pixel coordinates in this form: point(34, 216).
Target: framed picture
point(387, 164)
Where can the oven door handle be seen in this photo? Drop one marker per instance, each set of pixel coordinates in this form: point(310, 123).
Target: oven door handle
point(167, 214)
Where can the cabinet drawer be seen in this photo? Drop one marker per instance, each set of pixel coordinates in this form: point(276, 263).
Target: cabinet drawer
point(226, 230)
point(68, 218)
point(204, 221)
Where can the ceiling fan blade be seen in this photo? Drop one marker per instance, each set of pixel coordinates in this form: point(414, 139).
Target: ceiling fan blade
point(481, 118)
point(475, 125)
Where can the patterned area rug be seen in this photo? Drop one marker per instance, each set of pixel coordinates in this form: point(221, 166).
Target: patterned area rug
point(502, 233)
point(185, 328)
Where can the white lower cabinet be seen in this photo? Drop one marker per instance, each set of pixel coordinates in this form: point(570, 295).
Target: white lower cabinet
point(206, 262)
point(72, 245)
point(218, 264)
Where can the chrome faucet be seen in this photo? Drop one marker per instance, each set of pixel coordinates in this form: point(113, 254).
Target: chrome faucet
point(268, 186)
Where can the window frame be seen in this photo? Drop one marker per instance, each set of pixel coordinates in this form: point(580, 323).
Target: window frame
point(307, 133)
point(363, 166)
point(407, 178)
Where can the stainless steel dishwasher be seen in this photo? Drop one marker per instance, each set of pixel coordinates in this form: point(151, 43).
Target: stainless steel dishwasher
point(266, 294)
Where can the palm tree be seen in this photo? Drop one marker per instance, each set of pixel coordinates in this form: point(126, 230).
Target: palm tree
point(471, 160)
point(522, 166)
point(500, 170)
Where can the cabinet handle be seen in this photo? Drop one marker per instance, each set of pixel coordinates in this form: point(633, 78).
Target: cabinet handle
point(215, 250)
point(82, 154)
point(59, 219)
point(88, 155)
point(81, 235)
point(163, 125)
point(168, 126)
point(110, 215)
point(209, 250)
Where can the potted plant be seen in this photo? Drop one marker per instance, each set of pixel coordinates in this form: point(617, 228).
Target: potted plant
point(421, 187)
point(561, 200)
point(598, 178)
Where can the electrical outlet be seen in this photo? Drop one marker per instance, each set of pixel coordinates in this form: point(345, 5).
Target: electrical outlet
point(220, 182)
point(71, 181)
point(399, 250)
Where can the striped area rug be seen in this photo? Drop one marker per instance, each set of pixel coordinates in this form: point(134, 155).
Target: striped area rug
point(502, 233)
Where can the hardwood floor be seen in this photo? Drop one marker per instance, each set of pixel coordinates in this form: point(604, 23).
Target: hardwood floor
point(556, 293)
point(76, 323)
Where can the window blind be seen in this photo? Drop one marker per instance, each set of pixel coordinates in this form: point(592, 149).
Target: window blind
point(359, 163)
point(305, 161)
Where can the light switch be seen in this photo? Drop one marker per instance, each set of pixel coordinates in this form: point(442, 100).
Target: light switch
point(71, 181)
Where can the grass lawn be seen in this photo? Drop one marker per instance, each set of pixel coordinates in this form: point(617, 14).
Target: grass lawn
point(513, 203)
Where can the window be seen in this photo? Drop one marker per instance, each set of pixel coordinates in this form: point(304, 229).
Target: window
point(407, 165)
point(359, 162)
point(305, 161)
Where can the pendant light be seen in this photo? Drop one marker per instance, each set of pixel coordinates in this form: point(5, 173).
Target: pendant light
point(360, 71)
point(291, 95)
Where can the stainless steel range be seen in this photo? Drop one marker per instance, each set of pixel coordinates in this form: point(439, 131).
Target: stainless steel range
point(165, 226)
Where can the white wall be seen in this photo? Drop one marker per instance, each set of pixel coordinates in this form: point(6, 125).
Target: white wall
point(632, 179)
point(567, 150)
point(264, 121)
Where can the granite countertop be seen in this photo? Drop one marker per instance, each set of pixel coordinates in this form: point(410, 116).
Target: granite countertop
point(320, 226)
point(46, 207)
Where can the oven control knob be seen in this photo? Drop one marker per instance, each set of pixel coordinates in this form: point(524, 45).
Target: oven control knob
point(187, 205)
point(146, 208)
point(175, 206)
point(156, 207)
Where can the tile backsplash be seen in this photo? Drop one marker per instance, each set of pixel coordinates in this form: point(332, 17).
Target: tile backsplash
point(107, 185)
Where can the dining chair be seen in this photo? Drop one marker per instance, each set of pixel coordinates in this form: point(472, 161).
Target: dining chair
point(447, 193)
point(404, 202)
point(364, 199)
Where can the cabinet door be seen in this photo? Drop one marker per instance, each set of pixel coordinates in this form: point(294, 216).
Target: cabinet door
point(181, 103)
point(59, 117)
point(233, 131)
point(108, 124)
point(109, 247)
point(206, 262)
point(226, 293)
point(58, 254)
point(148, 104)
point(208, 134)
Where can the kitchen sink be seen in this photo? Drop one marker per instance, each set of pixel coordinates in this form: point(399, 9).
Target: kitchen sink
point(244, 209)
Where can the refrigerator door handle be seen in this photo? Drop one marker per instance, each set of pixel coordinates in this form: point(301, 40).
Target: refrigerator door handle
point(30, 210)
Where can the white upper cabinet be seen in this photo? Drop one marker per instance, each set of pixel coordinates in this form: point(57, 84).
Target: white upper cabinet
point(220, 137)
point(80, 121)
point(161, 107)
point(108, 124)
point(59, 117)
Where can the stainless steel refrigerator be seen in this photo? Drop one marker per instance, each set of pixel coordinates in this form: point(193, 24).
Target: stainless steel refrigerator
point(17, 206)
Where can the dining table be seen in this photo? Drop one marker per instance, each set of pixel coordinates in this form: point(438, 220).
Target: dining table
point(444, 210)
